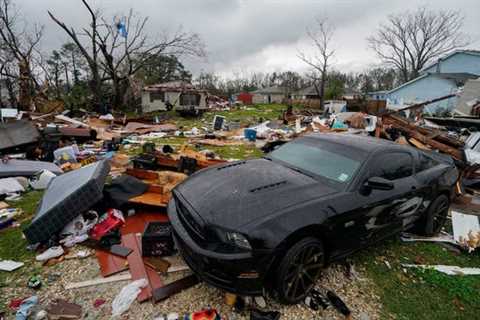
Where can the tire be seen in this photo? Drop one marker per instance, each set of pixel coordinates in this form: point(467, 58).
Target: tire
point(435, 217)
point(292, 286)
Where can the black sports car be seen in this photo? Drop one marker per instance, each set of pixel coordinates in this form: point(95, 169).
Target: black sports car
point(273, 223)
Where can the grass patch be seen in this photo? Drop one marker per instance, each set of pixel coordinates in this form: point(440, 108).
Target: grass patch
point(239, 152)
point(422, 294)
point(246, 116)
point(28, 203)
point(13, 245)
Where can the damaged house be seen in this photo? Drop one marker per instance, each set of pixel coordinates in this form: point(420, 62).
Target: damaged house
point(172, 95)
point(439, 79)
point(274, 94)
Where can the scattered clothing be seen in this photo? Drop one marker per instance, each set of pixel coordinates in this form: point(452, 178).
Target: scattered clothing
point(25, 308)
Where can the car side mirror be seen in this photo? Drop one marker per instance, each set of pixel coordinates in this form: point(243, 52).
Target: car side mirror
point(378, 183)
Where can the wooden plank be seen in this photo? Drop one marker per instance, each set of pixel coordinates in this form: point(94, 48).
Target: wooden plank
point(174, 288)
point(98, 281)
point(142, 174)
point(151, 199)
point(71, 121)
point(110, 264)
point(418, 144)
point(413, 132)
point(138, 270)
point(137, 222)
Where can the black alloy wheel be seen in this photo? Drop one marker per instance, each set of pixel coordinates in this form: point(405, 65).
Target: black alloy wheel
point(299, 270)
point(437, 215)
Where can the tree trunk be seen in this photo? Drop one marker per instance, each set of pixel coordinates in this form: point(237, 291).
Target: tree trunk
point(12, 98)
point(322, 89)
point(74, 65)
point(96, 87)
point(25, 86)
point(117, 93)
point(67, 78)
point(2, 105)
point(57, 84)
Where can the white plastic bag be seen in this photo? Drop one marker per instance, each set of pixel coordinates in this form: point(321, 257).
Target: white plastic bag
point(127, 295)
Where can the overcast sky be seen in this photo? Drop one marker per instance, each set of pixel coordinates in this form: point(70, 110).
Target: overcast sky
point(244, 36)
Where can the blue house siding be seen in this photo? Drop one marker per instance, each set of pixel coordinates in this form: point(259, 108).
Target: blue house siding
point(432, 82)
point(423, 88)
point(460, 62)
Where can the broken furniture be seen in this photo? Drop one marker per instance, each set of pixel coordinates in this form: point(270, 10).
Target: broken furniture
point(67, 196)
point(146, 160)
point(174, 161)
point(160, 185)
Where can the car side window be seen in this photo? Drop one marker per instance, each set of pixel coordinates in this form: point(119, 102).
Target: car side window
point(393, 166)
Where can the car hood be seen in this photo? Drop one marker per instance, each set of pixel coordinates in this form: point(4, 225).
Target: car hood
point(235, 194)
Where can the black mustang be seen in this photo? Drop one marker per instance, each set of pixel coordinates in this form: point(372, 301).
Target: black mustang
point(273, 223)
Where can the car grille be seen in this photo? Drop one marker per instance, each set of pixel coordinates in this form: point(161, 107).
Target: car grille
point(194, 229)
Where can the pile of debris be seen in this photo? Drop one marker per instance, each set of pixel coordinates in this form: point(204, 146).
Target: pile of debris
point(99, 197)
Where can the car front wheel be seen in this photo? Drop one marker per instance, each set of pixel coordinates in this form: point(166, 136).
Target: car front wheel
point(299, 270)
point(436, 216)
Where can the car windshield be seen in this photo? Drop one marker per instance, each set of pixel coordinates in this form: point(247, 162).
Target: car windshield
point(321, 160)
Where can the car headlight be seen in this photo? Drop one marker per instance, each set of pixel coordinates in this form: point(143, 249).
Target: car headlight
point(238, 240)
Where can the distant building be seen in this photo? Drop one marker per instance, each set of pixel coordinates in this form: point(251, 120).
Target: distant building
point(306, 93)
point(439, 79)
point(157, 97)
point(351, 94)
point(244, 97)
point(377, 95)
point(274, 94)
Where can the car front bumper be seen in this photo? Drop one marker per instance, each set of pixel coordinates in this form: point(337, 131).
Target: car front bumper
point(239, 273)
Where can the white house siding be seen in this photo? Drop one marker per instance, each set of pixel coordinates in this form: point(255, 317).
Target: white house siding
point(426, 88)
point(458, 63)
point(159, 105)
point(259, 98)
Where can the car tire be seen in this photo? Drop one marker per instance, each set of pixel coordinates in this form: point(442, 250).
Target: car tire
point(435, 217)
point(306, 256)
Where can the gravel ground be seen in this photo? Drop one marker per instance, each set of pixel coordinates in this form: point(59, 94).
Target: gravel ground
point(350, 286)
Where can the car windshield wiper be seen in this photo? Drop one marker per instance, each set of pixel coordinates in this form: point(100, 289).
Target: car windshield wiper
point(267, 158)
point(300, 171)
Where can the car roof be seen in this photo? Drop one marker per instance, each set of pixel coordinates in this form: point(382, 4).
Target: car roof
point(358, 142)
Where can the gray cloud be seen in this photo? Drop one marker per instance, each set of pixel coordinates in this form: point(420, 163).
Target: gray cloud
point(253, 35)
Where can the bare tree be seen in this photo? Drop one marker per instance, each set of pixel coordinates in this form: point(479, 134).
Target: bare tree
point(90, 54)
point(20, 43)
point(410, 40)
point(321, 35)
point(8, 74)
point(124, 55)
point(116, 55)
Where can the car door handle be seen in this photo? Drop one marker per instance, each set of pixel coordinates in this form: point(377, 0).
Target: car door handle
point(414, 188)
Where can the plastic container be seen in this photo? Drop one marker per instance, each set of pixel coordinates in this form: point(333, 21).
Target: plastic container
point(250, 134)
point(157, 240)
